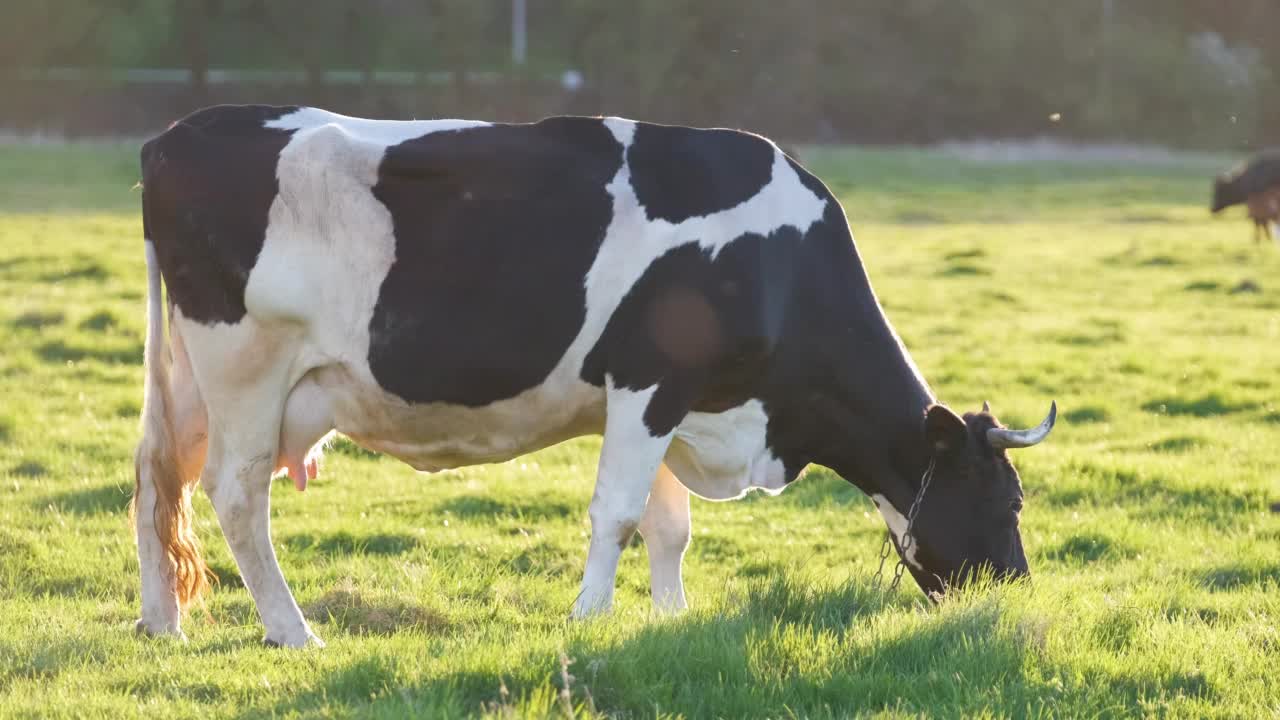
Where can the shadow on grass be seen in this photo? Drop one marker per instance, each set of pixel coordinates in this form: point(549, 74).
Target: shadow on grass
point(1001, 297)
point(45, 661)
point(225, 574)
point(1235, 576)
point(486, 508)
point(1132, 258)
point(1152, 497)
point(1085, 339)
point(29, 469)
point(1210, 405)
point(344, 544)
point(1088, 548)
point(716, 548)
point(92, 271)
point(348, 608)
point(113, 499)
point(783, 649)
point(15, 262)
point(1203, 286)
point(187, 688)
point(1177, 444)
point(1086, 414)
point(101, 321)
point(60, 352)
point(919, 217)
point(694, 664)
point(546, 559)
point(38, 320)
point(963, 270)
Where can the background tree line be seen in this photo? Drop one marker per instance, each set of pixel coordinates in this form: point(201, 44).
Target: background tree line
point(1186, 72)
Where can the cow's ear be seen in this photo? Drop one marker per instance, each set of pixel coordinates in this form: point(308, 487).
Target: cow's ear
point(944, 430)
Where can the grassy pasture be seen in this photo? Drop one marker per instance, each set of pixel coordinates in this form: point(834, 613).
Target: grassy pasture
point(1156, 559)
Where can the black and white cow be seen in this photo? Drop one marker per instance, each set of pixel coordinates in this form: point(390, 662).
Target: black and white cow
point(452, 292)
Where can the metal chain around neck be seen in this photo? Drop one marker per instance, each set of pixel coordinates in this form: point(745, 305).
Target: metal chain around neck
point(907, 539)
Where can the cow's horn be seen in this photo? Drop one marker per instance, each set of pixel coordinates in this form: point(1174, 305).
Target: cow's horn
point(986, 406)
point(1006, 438)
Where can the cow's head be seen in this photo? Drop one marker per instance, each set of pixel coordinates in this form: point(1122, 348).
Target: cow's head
point(1225, 193)
point(968, 519)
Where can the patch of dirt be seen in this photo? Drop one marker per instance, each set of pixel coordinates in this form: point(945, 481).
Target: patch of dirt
point(347, 607)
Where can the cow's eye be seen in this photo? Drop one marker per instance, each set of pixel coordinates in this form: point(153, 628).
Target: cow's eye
point(1016, 505)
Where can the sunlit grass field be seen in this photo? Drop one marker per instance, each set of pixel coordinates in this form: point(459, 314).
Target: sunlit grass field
point(1154, 552)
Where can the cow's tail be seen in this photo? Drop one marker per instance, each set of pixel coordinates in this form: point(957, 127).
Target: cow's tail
point(156, 461)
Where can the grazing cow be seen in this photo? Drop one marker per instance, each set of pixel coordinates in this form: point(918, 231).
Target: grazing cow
point(453, 292)
point(1256, 184)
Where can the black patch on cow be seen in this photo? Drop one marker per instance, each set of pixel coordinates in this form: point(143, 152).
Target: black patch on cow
point(680, 172)
point(496, 228)
point(208, 184)
point(703, 330)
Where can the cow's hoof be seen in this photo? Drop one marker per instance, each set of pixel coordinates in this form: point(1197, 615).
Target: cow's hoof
point(308, 640)
point(142, 627)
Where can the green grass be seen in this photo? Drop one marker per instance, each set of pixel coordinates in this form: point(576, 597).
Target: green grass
point(1156, 559)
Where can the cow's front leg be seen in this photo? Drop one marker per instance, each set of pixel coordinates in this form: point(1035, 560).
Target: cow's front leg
point(239, 484)
point(629, 460)
point(666, 527)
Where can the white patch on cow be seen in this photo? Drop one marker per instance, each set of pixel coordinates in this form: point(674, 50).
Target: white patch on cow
point(784, 201)
point(624, 131)
point(382, 132)
point(897, 523)
point(722, 456)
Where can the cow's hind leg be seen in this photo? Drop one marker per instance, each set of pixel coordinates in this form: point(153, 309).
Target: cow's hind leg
point(666, 527)
point(244, 377)
point(238, 480)
point(629, 460)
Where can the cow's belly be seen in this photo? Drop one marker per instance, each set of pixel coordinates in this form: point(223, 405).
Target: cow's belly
point(722, 456)
point(438, 436)
point(718, 456)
